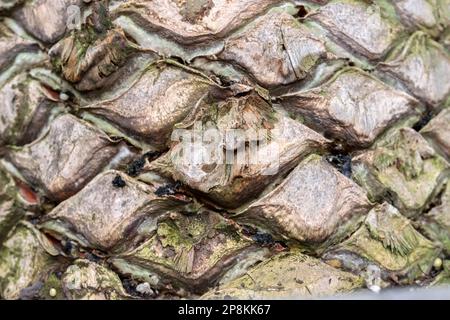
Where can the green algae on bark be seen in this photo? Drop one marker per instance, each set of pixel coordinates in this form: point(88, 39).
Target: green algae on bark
point(90, 56)
point(188, 251)
point(423, 65)
point(435, 224)
point(443, 278)
point(15, 200)
point(369, 28)
point(403, 167)
point(85, 280)
point(289, 275)
point(9, 213)
point(387, 240)
point(24, 260)
point(27, 105)
point(429, 15)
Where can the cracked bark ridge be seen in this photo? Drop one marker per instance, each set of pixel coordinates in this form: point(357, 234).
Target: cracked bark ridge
point(366, 27)
point(26, 108)
point(314, 204)
point(437, 133)
point(186, 24)
point(152, 112)
point(276, 39)
point(102, 214)
point(186, 251)
point(423, 65)
point(386, 239)
point(24, 260)
point(394, 167)
point(231, 183)
point(352, 107)
point(65, 158)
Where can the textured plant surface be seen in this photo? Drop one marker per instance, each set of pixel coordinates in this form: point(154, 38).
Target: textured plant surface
point(104, 110)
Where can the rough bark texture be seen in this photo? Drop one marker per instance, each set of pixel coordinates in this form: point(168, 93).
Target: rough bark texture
point(120, 176)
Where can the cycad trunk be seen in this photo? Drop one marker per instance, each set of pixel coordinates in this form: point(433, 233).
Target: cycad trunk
point(243, 148)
